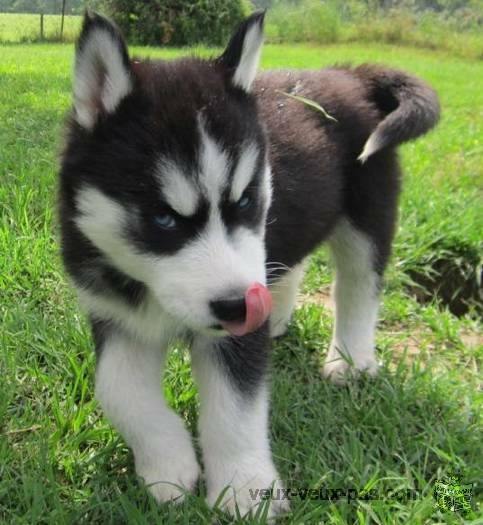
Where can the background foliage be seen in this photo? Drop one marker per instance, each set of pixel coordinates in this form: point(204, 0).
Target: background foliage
point(154, 22)
point(183, 22)
point(456, 26)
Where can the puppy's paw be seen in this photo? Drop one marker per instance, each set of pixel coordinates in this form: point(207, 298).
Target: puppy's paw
point(340, 369)
point(242, 486)
point(170, 469)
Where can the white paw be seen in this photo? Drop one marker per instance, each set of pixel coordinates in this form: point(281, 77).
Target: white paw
point(340, 369)
point(242, 486)
point(170, 469)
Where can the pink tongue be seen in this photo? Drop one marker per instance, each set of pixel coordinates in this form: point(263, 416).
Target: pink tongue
point(258, 305)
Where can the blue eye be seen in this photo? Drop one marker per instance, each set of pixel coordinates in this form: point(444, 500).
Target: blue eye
point(165, 221)
point(244, 202)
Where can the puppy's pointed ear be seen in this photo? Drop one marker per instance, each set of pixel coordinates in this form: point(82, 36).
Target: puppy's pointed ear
point(242, 55)
point(103, 75)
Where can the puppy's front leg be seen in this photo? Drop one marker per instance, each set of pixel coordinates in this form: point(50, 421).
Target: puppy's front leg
point(234, 420)
point(128, 388)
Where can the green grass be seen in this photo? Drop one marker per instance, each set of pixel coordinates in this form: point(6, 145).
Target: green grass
point(25, 27)
point(60, 462)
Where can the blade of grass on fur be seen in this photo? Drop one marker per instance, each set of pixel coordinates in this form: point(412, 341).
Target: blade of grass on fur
point(311, 103)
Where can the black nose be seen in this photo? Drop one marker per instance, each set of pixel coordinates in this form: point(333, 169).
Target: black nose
point(230, 310)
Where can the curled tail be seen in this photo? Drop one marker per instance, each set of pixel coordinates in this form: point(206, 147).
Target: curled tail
point(411, 107)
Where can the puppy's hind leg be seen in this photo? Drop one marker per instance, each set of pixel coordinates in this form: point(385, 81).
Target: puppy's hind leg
point(355, 292)
point(128, 388)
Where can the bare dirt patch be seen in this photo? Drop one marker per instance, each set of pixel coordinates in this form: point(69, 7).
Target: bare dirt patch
point(319, 298)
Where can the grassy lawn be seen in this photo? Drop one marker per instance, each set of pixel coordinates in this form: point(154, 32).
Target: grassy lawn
point(25, 27)
point(60, 462)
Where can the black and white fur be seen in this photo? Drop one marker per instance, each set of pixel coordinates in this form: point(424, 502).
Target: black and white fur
point(161, 159)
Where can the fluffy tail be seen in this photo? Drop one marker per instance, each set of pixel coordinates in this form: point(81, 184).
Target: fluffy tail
point(411, 107)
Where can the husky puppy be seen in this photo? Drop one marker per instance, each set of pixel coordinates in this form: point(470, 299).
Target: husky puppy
point(186, 188)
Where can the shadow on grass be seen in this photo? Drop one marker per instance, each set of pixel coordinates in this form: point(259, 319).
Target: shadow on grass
point(452, 272)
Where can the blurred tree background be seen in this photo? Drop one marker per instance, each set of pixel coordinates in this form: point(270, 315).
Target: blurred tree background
point(179, 22)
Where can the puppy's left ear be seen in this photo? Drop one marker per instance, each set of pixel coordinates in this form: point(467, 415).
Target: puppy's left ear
point(103, 74)
point(242, 55)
